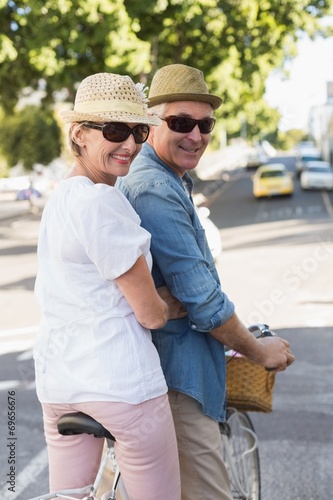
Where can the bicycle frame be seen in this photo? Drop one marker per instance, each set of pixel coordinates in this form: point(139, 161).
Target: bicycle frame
point(91, 490)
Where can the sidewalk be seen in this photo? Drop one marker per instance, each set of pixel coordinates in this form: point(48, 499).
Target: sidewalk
point(11, 208)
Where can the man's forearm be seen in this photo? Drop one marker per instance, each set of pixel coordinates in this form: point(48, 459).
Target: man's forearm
point(271, 352)
point(234, 334)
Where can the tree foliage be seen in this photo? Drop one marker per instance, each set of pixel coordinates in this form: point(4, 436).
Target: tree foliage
point(30, 136)
point(236, 43)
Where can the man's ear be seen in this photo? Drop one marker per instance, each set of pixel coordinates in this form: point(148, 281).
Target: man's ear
point(151, 135)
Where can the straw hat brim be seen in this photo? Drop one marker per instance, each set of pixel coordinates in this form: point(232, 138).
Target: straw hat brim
point(212, 99)
point(71, 116)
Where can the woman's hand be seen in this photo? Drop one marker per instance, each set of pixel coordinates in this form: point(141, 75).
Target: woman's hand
point(176, 309)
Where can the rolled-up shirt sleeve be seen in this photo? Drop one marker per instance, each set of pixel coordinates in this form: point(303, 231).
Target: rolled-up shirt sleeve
point(181, 255)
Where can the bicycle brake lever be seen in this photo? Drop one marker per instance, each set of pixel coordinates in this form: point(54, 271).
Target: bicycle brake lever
point(263, 329)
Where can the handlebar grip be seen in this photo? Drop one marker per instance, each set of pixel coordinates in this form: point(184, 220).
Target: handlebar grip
point(264, 332)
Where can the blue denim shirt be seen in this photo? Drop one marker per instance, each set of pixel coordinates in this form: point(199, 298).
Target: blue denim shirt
point(193, 362)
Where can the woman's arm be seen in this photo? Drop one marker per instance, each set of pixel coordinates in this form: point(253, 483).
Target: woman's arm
point(138, 288)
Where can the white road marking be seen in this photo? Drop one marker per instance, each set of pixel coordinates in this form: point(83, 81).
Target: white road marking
point(287, 212)
point(18, 339)
point(7, 385)
point(25, 356)
point(15, 345)
point(327, 203)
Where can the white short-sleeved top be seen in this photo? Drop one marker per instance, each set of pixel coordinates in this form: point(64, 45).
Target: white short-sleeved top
point(90, 346)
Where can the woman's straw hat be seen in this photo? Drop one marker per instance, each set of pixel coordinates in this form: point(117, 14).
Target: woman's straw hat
point(106, 97)
point(177, 82)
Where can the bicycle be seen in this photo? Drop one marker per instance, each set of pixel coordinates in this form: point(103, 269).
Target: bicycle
point(239, 449)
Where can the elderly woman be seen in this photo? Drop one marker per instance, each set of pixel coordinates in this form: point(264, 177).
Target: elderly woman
point(98, 301)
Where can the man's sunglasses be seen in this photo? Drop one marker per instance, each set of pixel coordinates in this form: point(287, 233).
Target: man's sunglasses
point(119, 132)
point(185, 125)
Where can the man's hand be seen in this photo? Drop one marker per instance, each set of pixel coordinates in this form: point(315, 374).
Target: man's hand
point(176, 310)
point(275, 353)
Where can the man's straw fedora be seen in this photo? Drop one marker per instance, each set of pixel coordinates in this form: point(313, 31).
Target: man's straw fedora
point(178, 82)
point(106, 97)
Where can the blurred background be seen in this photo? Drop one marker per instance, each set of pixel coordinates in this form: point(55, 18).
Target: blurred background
point(271, 234)
point(270, 61)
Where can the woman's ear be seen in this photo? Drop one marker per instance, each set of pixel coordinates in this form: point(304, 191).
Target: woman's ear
point(77, 134)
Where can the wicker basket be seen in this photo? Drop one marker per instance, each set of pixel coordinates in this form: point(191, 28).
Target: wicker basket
point(249, 385)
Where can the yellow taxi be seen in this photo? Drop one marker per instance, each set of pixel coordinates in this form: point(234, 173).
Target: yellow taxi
point(272, 180)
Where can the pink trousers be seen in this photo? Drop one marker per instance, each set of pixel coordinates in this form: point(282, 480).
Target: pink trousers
point(146, 448)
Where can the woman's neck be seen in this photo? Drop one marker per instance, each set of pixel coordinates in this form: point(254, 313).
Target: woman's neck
point(97, 177)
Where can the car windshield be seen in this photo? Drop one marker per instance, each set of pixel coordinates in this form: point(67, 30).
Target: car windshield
point(310, 158)
point(272, 173)
point(321, 170)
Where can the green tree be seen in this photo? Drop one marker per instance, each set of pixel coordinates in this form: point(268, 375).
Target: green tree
point(57, 43)
point(287, 140)
point(30, 136)
point(236, 43)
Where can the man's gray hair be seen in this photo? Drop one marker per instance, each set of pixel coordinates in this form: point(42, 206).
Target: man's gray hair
point(159, 109)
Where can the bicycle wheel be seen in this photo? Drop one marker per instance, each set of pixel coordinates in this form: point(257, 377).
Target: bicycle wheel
point(241, 455)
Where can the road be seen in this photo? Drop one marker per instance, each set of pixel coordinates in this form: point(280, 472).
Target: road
point(276, 265)
point(282, 250)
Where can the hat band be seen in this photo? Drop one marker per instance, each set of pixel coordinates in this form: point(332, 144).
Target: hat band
point(105, 106)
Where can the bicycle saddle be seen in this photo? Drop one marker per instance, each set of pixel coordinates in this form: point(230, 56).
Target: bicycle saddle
point(80, 423)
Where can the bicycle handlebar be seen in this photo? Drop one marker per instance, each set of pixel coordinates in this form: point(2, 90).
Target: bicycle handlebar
point(264, 332)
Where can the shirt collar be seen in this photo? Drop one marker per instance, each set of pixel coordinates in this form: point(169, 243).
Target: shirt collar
point(186, 180)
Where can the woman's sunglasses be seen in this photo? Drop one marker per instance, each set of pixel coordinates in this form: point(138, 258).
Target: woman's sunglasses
point(185, 125)
point(119, 132)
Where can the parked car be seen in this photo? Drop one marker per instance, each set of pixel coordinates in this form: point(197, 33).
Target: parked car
point(304, 157)
point(317, 175)
point(255, 157)
point(306, 145)
point(212, 232)
point(272, 180)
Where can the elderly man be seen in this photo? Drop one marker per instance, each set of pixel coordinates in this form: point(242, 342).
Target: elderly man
point(192, 349)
